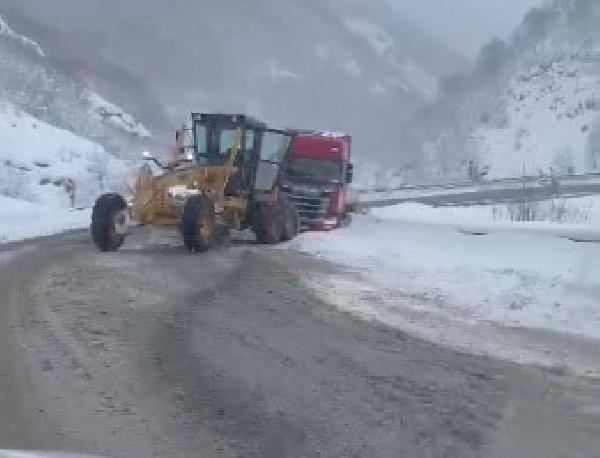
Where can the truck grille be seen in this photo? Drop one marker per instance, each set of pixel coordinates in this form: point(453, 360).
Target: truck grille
point(312, 208)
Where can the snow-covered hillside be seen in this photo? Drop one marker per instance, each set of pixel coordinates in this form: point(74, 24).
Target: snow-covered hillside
point(61, 143)
point(551, 110)
point(531, 104)
point(8, 33)
point(38, 162)
point(30, 80)
point(410, 77)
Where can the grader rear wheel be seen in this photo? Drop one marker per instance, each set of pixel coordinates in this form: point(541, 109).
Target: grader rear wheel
point(291, 219)
point(268, 223)
point(198, 224)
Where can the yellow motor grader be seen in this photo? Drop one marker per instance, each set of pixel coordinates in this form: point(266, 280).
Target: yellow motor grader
point(226, 178)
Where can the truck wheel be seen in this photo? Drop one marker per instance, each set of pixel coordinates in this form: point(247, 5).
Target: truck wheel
point(109, 222)
point(268, 223)
point(291, 218)
point(198, 224)
point(346, 221)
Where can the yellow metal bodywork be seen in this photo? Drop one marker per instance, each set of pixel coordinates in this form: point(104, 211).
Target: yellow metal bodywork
point(160, 200)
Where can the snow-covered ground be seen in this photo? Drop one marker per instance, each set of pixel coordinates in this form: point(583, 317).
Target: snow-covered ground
point(458, 276)
point(22, 220)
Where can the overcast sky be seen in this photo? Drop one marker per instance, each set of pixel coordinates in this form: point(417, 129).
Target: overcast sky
point(466, 24)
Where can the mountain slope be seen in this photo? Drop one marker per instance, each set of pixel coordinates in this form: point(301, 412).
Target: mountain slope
point(30, 81)
point(531, 104)
point(330, 64)
point(39, 163)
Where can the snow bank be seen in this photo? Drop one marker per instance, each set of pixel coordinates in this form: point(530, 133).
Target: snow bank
point(421, 269)
point(559, 214)
point(20, 220)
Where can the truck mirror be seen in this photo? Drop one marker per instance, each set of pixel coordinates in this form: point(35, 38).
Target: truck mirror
point(350, 173)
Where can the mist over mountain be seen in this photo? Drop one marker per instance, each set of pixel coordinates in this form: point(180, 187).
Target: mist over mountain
point(531, 105)
point(346, 65)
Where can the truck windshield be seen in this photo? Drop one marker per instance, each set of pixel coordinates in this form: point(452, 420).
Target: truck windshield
point(315, 171)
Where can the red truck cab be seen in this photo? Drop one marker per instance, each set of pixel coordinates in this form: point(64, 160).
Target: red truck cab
point(316, 175)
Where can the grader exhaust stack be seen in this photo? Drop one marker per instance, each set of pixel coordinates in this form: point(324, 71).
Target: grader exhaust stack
point(228, 178)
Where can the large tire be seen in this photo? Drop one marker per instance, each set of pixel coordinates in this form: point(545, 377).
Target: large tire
point(346, 221)
point(198, 224)
point(291, 218)
point(268, 223)
point(107, 213)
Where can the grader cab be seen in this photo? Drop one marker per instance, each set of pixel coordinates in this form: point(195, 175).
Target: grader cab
point(224, 174)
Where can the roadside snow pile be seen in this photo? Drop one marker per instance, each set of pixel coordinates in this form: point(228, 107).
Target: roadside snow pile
point(583, 212)
point(20, 220)
point(451, 284)
point(39, 161)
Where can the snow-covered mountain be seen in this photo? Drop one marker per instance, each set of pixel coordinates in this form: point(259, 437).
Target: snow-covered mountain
point(329, 64)
point(57, 135)
point(31, 81)
point(532, 103)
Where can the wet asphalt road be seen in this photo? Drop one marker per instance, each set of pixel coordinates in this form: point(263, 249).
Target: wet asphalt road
point(155, 352)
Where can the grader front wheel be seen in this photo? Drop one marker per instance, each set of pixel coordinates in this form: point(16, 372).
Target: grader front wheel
point(198, 224)
point(109, 222)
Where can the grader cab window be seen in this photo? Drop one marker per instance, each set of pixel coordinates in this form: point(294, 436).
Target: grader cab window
point(249, 143)
point(213, 144)
point(274, 146)
point(201, 139)
point(227, 140)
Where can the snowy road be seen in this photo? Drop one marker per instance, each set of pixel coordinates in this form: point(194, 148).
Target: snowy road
point(155, 352)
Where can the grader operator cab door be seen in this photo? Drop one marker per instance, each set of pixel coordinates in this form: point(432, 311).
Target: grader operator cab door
point(273, 148)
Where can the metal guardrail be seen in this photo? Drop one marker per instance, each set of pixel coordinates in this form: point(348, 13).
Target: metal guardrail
point(508, 190)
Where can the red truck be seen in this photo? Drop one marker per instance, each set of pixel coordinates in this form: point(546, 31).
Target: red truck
point(316, 175)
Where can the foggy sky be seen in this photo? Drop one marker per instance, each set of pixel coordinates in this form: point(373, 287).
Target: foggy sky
point(466, 25)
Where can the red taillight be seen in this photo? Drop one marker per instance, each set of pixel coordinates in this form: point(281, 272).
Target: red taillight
point(337, 202)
